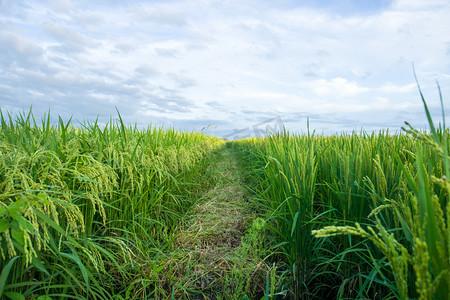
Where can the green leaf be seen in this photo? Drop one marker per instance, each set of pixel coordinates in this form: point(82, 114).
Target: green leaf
point(427, 112)
point(38, 264)
point(17, 233)
point(406, 229)
point(5, 273)
point(13, 209)
point(294, 223)
point(80, 264)
point(4, 224)
point(128, 291)
point(44, 297)
point(43, 198)
point(14, 296)
point(24, 223)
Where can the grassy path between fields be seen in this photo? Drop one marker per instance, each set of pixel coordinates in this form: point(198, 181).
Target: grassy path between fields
point(216, 251)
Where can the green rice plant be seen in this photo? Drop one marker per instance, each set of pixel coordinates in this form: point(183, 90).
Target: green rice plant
point(421, 240)
point(307, 182)
point(303, 187)
point(83, 207)
point(294, 175)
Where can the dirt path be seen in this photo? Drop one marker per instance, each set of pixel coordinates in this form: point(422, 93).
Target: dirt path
point(217, 257)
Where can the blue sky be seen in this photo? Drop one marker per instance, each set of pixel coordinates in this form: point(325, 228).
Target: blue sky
point(345, 65)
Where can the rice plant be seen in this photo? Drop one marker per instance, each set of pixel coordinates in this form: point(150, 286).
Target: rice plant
point(81, 207)
point(381, 200)
point(94, 211)
point(423, 238)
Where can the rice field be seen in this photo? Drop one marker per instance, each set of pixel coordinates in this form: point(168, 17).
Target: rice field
point(83, 207)
point(117, 212)
point(356, 216)
point(363, 220)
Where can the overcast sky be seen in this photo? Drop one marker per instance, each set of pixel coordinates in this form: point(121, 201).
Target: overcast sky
point(231, 64)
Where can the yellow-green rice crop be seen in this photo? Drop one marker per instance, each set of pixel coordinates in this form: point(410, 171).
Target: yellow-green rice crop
point(79, 206)
point(380, 199)
point(92, 211)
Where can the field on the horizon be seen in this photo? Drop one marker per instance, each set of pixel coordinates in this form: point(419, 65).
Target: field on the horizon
point(117, 212)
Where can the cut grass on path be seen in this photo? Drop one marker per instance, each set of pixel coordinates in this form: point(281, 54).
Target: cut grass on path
point(217, 251)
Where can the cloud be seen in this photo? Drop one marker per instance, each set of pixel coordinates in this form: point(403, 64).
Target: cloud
point(392, 88)
point(339, 87)
point(17, 50)
point(344, 64)
point(69, 40)
point(62, 5)
point(167, 52)
point(414, 5)
point(161, 14)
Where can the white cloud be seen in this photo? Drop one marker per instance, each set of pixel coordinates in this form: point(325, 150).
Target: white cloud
point(62, 5)
point(338, 87)
point(171, 60)
point(392, 88)
point(75, 40)
point(418, 4)
point(22, 46)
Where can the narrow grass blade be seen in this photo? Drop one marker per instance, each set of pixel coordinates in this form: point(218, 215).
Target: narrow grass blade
point(5, 273)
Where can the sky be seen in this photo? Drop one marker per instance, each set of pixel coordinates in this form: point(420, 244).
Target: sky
point(229, 68)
